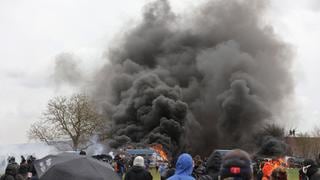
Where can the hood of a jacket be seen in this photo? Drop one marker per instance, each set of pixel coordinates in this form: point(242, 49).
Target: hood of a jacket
point(184, 165)
point(214, 163)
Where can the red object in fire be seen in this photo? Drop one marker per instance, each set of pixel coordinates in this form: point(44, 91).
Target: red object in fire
point(235, 170)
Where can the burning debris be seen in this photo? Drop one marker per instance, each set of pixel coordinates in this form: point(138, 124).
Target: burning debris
point(195, 81)
point(270, 165)
point(159, 149)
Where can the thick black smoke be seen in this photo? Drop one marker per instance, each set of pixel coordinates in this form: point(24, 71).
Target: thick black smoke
point(195, 81)
point(270, 140)
point(273, 147)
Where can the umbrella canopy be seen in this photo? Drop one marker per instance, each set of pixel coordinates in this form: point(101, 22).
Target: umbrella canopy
point(73, 167)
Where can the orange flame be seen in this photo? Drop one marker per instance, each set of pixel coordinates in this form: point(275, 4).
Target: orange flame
point(159, 149)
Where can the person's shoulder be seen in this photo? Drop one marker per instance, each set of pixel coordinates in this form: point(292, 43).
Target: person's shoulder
point(147, 172)
point(176, 177)
point(205, 177)
point(129, 172)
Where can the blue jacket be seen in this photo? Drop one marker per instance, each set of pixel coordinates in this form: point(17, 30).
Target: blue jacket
point(184, 168)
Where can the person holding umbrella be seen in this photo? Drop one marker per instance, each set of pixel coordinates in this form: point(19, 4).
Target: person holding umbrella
point(138, 170)
point(68, 166)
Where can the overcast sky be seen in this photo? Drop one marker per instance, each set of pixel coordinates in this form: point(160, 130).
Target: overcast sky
point(34, 32)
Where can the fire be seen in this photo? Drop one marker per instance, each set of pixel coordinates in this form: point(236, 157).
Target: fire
point(271, 165)
point(159, 149)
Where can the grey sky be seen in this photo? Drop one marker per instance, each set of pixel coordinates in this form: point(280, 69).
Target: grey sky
point(34, 32)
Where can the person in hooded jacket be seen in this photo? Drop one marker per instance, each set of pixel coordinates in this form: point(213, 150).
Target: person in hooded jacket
point(10, 173)
point(184, 168)
point(119, 165)
point(198, 169)
point(309, 170)
point(236, 165)
point(138, 170)
point(212, 167)
point(23, 172)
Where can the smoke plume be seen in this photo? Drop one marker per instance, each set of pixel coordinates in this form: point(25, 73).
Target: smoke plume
point(273, 147)
point(67, 70)
point(195, 81)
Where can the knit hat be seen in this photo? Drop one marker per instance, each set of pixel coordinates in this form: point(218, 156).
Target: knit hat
point(236, 164)
point(138, 161)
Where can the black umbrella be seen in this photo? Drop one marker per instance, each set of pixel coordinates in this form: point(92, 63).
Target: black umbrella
point(68, 166)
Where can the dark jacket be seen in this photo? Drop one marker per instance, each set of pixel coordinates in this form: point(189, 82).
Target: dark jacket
point(213, 166)
point(7, 177)
point(22, 177)
point(11, 172)
point(137, 172)
point(312, 172)
point(315, 176)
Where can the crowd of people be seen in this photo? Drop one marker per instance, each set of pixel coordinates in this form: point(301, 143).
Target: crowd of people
point(23, 171)
point(235, 165)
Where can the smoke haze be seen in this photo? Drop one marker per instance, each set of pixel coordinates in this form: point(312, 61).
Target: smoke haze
point(66, 70)
point(195, 81)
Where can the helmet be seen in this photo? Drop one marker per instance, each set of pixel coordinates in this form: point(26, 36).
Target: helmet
point(11, 159)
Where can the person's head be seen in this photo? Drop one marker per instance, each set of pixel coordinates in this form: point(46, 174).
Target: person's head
point(309, 167)
point(30, 159)
point(82, 152)
point(236, 165)
point(11, 159)
point(138, 161)
point(197, 158)
point(279, 174)
point(23, 160)
point(184, 164)
point(117, 157)
point(214, 162)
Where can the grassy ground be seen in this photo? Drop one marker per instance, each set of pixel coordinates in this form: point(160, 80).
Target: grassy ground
point(293, 174)
point(155, 174)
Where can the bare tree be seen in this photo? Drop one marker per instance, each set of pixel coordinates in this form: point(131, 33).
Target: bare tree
point(316, 131)
point(73, 118)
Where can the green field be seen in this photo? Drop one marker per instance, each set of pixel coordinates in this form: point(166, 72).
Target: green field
point(293, 174)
